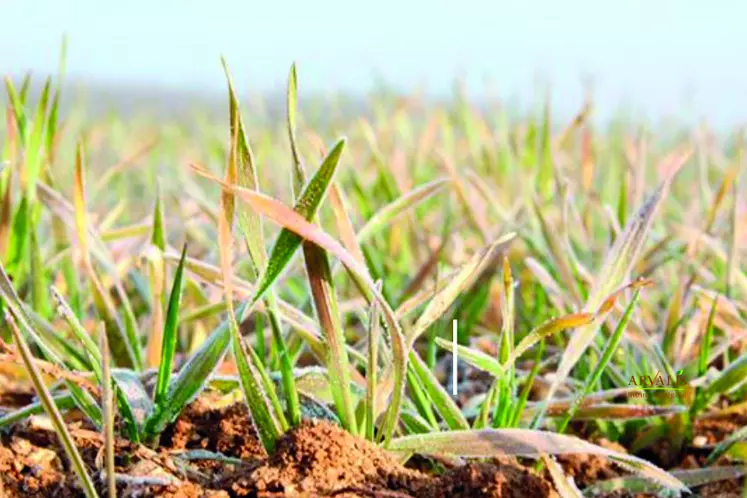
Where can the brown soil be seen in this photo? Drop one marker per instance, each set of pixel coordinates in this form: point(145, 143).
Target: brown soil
point(588, 469)
point(225, 430)
point(715, 429)
point(315, 459)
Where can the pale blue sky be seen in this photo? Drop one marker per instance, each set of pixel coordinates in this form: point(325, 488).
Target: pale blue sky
point(681, 57)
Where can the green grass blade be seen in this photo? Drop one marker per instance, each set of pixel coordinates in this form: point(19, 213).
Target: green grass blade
point(443, 403)
point(51, 135)
point(467, 275)
point(474, 357)
point(16, 255)
point(732, 376)
point(170, 333)
point(108, 413)
point(64, 310)
point(12, 302)
point(158, 233)
point(34, 150)
point(506, 382)
point(518, 410)
point(39, 299)
point(63, 401)
point(705, 349)
point(16, 105)
point(157, 278)
point(609, 350)
point(291, 105)
point(307, 205)
point(191, 379)
point(399, 207)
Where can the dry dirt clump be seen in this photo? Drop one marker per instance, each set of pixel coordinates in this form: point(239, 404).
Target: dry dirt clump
point(320, 459)
point(316, 459)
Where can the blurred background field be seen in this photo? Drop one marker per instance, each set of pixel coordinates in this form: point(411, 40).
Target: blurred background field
point(596, 149)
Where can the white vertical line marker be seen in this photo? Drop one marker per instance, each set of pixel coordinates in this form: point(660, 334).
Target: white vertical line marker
point(455, 359)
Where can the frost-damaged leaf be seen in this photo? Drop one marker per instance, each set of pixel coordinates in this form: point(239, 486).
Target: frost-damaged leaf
point(250, 223)
point(197, 455)
point(558, 252)
point(322, 285)
point(52, 411)
point(690, 477)
point(308, 202)
point(132, 425)
point(259, 393)
point(344, 225)
point(63, 401)
point(293, 221)
point(489, 443)
point(135, 404)
point(564, 484)
point(610, 348)
point(456, 286)
point(400, 206)
point(726, 444)
point(612, 411)
point(291, 105)
point(550, 327)
point(615, 269)
point(122, 339)
point(79, 202)
point(425, 294)
point(328, 313)
point(474, 215)
point(157, 276)
point(372, 369)
point(12, 301)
